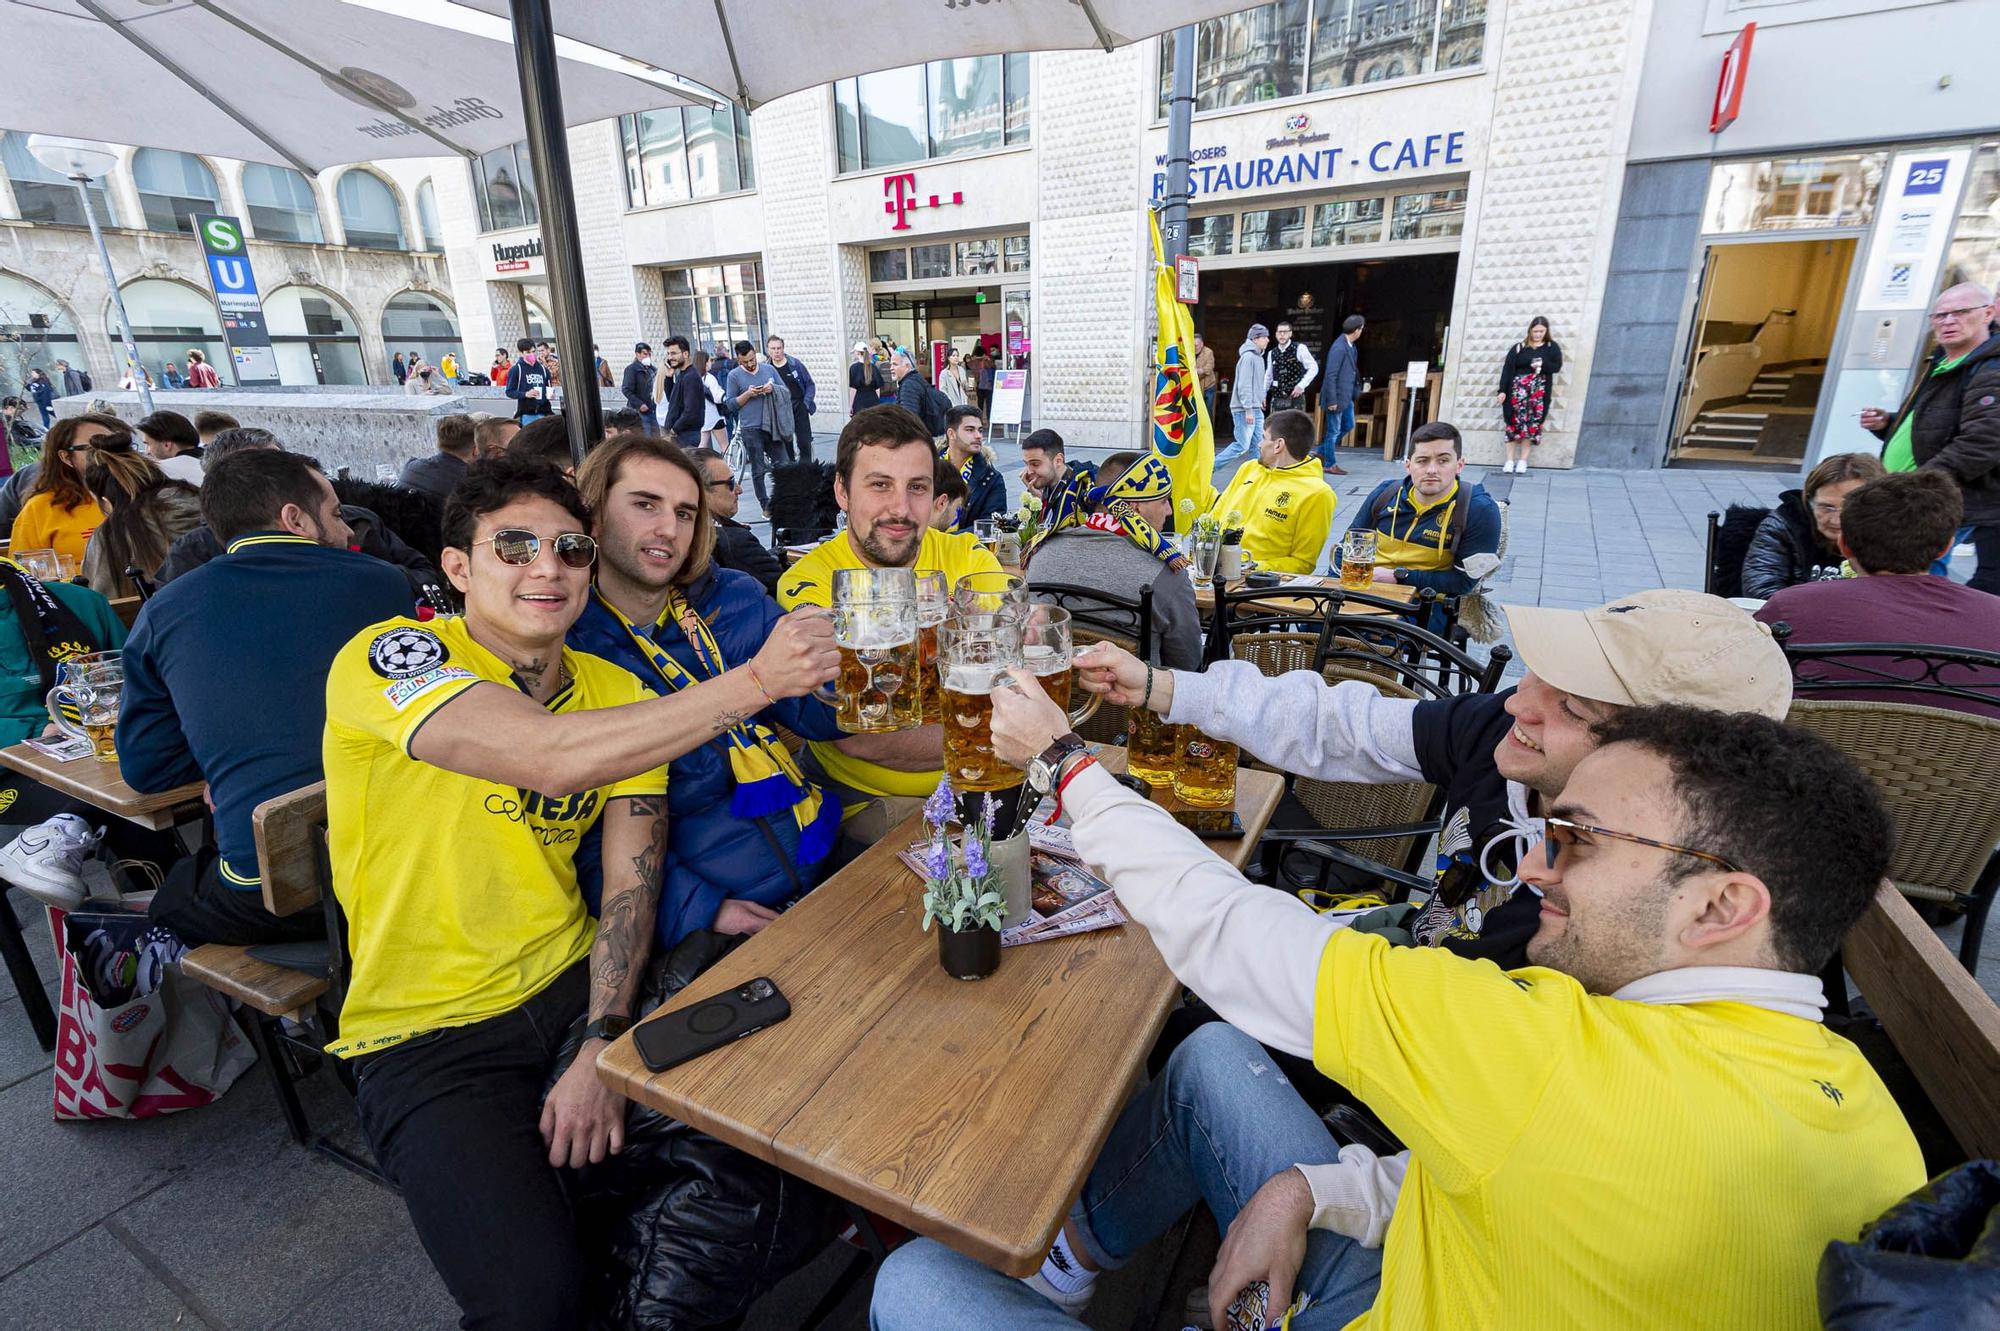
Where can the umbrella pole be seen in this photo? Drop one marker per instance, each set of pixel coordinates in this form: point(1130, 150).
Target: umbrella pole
point(1180, 115)
point(548, 149)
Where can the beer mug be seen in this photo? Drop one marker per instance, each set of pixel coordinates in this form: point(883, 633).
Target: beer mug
point(990, 593)
point(875, 629)
point(975, 652)
point(42, 565)
point(1153, 748)
point(91, 686)
point(933, 608)
point(1048, 653)
point(1357, 560)
point(1206, 777)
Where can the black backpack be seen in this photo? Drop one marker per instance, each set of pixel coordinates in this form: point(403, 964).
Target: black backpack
point(936, 404)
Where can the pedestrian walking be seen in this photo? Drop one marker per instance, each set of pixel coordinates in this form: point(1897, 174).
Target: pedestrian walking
point(1247, 389)
point(1292, 371)
point(1343, 377)
point(73, 380)
point(683, 398)
point(803, 391)
point(44, 394)
point(604, 379)
point(987, 367)
point(763, 416)
point(1204, 373)
point(637, 385)
point(529, 383)
point(1527, 386)
point(864, 381)
point(714, 420)
point(400, 369)
point(200, 373)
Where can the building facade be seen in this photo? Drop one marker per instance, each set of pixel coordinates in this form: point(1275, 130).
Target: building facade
point(1773, 275)
point(350, 265)
point(1446, 168)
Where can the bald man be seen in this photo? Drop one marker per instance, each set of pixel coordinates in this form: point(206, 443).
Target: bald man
point(1950, 421)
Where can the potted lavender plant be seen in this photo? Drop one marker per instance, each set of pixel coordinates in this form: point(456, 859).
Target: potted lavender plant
point(962, 890)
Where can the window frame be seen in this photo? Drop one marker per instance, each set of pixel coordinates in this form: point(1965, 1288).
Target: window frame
point(1015, 69)
point(632, 149)
point(145, 221)
point(525, 183)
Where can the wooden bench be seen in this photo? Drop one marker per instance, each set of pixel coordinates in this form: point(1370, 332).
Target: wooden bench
point(286, 828)
point(126, 608)
point(1944, 1025)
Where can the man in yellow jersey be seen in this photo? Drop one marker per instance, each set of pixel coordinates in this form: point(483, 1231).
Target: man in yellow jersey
point(883, 482)
point(1431, 528)
point(1283, 498)
point(1647, 1126)
point(464, 760)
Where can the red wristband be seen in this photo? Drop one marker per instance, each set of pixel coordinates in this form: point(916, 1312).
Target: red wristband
point(1089, 759)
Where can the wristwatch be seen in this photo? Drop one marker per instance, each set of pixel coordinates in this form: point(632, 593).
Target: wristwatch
point(608, 1027)
point(1398, 575)
point(1046, 766)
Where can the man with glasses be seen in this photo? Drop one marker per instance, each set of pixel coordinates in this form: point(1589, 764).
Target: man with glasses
point(1647, 1126)
point(736, 546)
point(465, 759)
point(1950, 421)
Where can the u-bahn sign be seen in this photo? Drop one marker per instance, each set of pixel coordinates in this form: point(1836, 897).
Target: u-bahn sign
point(243, 325)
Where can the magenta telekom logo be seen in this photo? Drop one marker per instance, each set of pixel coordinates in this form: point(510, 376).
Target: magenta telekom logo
point(900, 199)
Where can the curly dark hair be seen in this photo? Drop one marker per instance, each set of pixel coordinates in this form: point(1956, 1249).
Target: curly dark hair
point(493, 484)
point(1783, 804)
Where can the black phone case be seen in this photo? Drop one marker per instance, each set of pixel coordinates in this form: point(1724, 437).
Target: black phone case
point(696, 1029)
point(1231, 833)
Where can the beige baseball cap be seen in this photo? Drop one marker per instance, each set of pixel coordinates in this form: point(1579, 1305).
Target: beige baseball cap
point(1662, 646)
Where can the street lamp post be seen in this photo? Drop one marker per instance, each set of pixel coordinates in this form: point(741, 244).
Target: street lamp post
point(82, 160)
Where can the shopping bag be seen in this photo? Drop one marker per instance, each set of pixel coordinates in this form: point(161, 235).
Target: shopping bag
point(134, 1037)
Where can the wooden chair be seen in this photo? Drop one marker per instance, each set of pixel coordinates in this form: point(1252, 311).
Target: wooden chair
point(292, 861)
point(1944, 1025)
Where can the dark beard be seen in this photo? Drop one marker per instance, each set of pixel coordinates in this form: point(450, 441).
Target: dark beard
point(880, 556)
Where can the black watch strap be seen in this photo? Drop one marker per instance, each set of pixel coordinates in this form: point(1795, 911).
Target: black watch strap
point(608, 1027)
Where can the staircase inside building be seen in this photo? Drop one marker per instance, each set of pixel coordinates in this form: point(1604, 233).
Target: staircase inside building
point(1769, 422)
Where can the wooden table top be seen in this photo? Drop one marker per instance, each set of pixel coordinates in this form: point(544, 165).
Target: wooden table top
point(967, 1111)
point(100, 784)
point(1204, 598)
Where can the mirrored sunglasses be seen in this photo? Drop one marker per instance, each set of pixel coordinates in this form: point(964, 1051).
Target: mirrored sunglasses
point(520, 548)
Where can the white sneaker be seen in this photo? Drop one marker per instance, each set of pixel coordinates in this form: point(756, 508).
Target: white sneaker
point(1072, 1304)
point(46, 861)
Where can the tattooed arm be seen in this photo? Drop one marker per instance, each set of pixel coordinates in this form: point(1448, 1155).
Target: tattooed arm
point(582, 1118)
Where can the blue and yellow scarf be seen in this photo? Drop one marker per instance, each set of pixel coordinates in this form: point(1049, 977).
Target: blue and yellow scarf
point(768, 781)
point(1148, 478)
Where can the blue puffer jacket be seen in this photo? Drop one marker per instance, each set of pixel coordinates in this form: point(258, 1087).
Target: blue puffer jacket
point(711, 854)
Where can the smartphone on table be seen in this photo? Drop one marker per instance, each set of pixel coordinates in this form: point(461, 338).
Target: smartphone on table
point(689, 1032)
point(1210, 824)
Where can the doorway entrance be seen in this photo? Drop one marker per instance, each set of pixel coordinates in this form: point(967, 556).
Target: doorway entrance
point(1406, 301)
point(1756, 362)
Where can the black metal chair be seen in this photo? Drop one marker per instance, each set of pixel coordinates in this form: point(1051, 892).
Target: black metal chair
point(1936, 763)
point(1098, 614)
point(1391, 823)
point(1727, 541)
point(143, 585)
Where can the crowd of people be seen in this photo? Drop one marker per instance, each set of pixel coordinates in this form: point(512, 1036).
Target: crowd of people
point(610, 746)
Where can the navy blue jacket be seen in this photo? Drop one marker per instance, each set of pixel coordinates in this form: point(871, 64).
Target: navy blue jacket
point(712, 855)
point(684, 406)
point(1481, 535)
point(988, 494)
point(225, 675)
point(1343, 375)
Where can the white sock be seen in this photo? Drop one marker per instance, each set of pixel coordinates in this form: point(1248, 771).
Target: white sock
point(1063, 1279)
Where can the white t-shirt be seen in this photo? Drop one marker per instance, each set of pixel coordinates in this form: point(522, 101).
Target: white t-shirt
point(711, 399)
point(181, 467)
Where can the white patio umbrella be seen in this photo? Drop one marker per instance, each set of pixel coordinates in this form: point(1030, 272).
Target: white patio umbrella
point(762, 49)
point(303, 83)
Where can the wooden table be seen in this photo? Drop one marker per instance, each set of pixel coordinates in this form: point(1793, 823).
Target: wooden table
point(1277, 601)
point(100, 784)
point(970, 1112)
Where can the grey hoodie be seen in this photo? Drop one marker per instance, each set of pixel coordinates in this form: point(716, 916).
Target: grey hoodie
point(1252, 383)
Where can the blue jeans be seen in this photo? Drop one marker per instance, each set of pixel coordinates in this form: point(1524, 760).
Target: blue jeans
point(1249, 433)
point(1218, 1123)
point(1338, 424)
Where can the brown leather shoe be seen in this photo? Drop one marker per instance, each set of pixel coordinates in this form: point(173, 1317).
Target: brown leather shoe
point(1335, 469)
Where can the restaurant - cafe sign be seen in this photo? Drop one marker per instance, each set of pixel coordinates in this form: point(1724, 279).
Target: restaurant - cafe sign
point(1301, 157)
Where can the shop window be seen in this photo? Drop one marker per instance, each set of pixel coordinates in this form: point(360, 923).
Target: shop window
point(172, 188)
point(369, 213)
point(36, 330)
point(314, 337)
point(930, 261)
point(1793, 193)
point(1209, 237)
point(1348, 222)
point(942, 109)
point(1298, 46)
point(1975, 243)
point(718, 304)
point(503, 183)
point(169, 319)
point(1430, 216)
point(684, 153)
point(281, 204)
point(1273, 229)
point(978, 258)
point(1016, 250)
point(414, 321)
point(43, 195)
point(888, 265)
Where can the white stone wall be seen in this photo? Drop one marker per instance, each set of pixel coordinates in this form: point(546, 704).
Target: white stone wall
point(814, 291)
point(1542, 214)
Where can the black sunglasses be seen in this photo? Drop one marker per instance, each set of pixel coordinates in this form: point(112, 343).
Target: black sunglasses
point(520, 548)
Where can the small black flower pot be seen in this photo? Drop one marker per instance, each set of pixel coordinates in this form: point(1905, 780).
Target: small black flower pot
point(972, 954)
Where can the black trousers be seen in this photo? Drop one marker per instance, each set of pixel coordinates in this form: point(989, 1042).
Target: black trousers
point(1986, 571)
point(764, 453)
point(196, 903)
point(453, 1117)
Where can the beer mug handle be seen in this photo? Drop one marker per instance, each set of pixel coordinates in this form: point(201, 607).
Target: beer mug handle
point(63, 723)
point(1091, 702)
